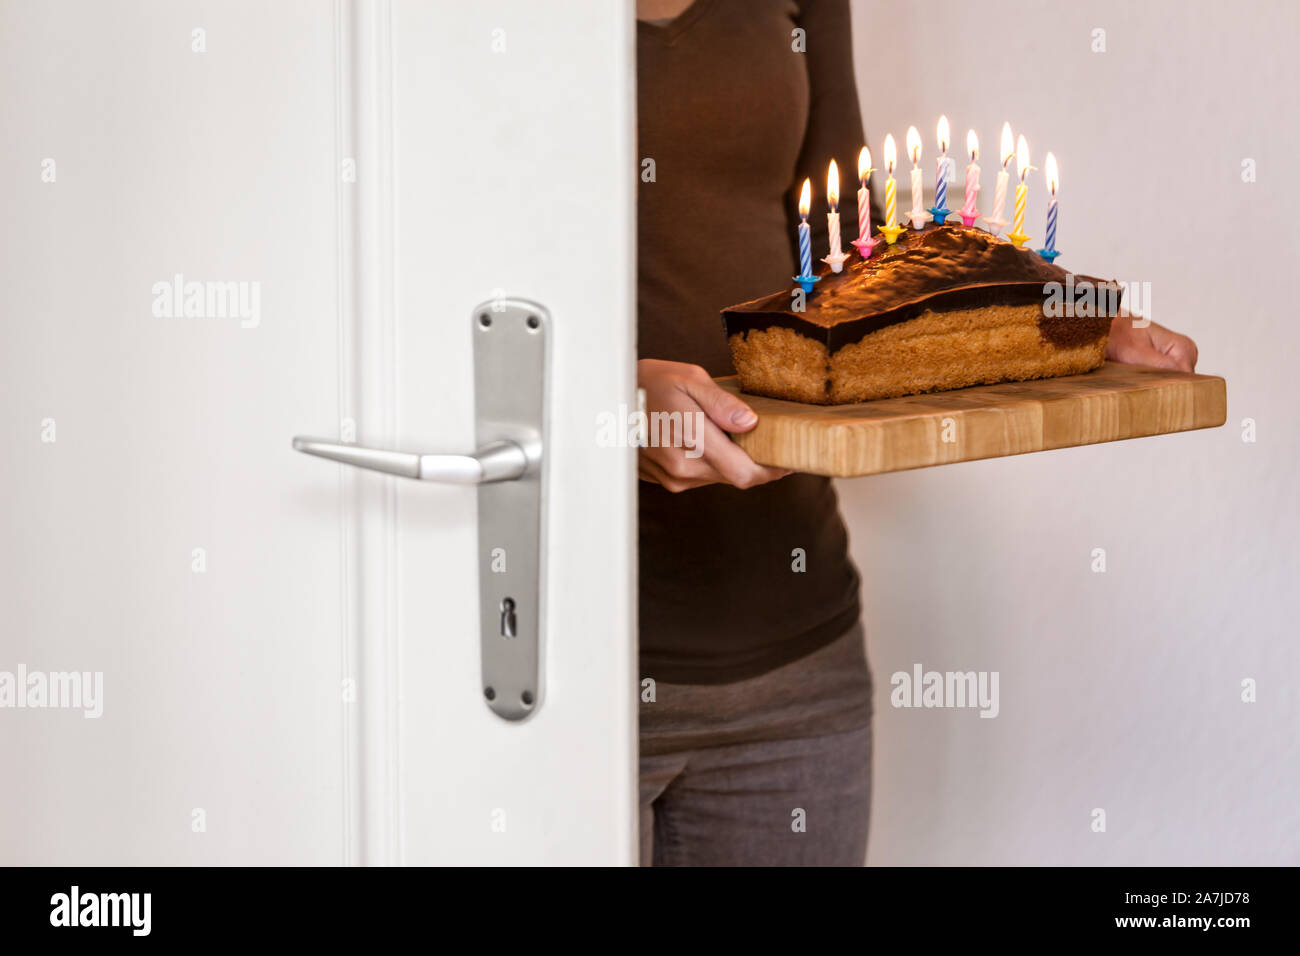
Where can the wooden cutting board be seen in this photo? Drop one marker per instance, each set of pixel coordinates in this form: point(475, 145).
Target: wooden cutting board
point(987, 421)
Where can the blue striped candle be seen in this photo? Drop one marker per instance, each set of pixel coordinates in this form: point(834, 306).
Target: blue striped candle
point(805, 234)
point(1053, 176)
point(941, 184)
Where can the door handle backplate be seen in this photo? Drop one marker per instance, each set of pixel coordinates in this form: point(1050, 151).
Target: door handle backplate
point(511, 355)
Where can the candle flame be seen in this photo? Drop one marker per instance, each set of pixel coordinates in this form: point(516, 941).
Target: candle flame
point(1053, 177)
point(1022, 157)
point(805, 199)
point(891, 154)
point(1008, 144)
point(864, 164)
point(914, 144)
point(833, 185)
point(943, 134)
point(972, 145)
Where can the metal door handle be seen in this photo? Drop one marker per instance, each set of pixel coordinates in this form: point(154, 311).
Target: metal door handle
point(498, 461)
point(509, 469)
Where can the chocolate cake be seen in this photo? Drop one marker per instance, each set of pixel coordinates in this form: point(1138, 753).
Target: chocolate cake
point(945, 307)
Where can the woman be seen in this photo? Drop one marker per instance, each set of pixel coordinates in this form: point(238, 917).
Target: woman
point(756, 731)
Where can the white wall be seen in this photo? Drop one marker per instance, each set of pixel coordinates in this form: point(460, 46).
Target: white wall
point(1118, 690)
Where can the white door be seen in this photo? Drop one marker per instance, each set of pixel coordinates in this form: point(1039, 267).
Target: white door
point(228, 225)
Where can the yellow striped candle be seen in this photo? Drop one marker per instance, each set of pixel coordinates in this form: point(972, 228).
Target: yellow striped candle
point(891, 187)
point(891, 230)
point(1017, 234)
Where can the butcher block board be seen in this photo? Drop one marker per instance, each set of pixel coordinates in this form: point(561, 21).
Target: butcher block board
point(987, 421)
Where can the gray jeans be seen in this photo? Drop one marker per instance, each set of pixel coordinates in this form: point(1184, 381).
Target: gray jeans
point(770, 771)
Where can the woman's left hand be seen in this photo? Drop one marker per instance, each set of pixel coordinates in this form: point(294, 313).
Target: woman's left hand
point(1153, 345)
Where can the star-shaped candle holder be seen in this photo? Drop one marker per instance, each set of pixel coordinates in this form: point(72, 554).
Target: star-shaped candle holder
point(866, 246)
point(891, 233)
point(919, 219)
point(836, 262)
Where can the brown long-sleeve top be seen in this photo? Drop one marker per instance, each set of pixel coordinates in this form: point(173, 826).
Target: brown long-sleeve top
point(735, 114)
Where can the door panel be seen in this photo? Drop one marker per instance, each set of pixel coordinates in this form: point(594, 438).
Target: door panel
point(521, 186)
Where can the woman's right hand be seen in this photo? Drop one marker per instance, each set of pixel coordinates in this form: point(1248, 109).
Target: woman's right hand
point(705, 455)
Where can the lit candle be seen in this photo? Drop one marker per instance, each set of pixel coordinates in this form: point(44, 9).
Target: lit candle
point(996, 222)
point(891, 229)
point(1017, 235)
point(836, 258)
point(891, 187)
point(864, 242)
point(833, 201)
point(918, 215)
point(805, 237)
point(940, 209)
point(968, 211)
point(805, 277)
point(1049, 252)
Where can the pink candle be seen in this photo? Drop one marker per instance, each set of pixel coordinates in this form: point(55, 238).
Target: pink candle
point(864, 243)
point(864, 195)
point(972, 176)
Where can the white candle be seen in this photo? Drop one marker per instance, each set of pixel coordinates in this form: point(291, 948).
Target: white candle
point(836, 257)
point(833, 217)
point(1000, 190)
point(919, 215)
point(1000, 195)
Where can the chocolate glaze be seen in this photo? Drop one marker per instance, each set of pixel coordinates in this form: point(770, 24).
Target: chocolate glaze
point(940, 268)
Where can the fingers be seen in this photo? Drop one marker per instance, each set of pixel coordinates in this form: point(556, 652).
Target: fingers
point(648, 469)
point(724, 409)
point(696, 450)
point(723, 461)
point(1156, 359)
point(732, 462)
point(1178, 351)
point(1183, 352)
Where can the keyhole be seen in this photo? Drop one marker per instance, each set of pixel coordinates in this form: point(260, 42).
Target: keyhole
point(509, 624)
